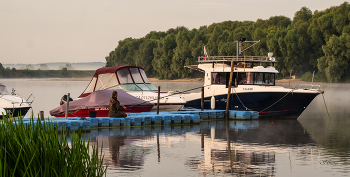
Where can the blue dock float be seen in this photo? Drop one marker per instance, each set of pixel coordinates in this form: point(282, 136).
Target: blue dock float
point(187, 116)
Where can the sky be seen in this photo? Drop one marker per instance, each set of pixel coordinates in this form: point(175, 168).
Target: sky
point(44, 31)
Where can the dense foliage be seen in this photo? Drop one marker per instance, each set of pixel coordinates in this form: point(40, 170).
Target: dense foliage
point(26, 73)
point(37, 149)
point(318, 41)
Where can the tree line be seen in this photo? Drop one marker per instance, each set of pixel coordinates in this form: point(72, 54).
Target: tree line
point(312, 41)
point(27, 73)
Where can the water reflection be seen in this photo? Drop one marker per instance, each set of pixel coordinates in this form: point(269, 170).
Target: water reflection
point(251, 145)
point(253, 148)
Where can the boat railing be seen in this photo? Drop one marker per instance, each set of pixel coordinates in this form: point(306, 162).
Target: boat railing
point(309, 87)
point(237, 59)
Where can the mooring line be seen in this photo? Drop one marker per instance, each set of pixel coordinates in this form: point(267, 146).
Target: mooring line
point(263, 109)
point(241, 101)
point(175, 93)
point(274, 103)
point(326, 106)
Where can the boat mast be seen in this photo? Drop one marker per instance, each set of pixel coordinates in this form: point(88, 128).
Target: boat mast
point(238, 52)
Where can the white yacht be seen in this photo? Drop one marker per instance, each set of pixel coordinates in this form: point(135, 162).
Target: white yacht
point(12, 104)
point(134, 81)
point(253, 87)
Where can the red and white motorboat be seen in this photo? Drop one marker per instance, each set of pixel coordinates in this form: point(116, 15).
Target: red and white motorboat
point(99, 101)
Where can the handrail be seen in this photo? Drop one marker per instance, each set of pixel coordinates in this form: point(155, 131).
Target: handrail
point(235, 58)
point(311, 86)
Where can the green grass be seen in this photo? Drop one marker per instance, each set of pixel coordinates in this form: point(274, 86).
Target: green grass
point(38, 149)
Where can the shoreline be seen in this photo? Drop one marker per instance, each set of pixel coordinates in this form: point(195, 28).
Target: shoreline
point(157, 80)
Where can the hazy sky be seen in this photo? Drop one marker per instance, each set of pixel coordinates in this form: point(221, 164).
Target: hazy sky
point(41, 31)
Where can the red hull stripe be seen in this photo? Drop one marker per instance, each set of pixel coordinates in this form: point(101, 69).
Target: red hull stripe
point(102, 112)
point(278, 111)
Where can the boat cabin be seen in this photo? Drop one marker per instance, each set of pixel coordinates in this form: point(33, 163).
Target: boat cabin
point(252, 70)
point(128, 78)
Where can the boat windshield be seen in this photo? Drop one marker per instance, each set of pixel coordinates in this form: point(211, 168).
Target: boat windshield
point(136, 75)
point(144, 77)
point(243, 78)
point(153, 88)
point(124, 76)
point(130, 87)
point(3, 90)
point(136, 87)
point(127, 78)
point(143, 87)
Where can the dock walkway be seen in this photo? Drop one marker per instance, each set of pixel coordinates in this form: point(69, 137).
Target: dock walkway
point(187, 116)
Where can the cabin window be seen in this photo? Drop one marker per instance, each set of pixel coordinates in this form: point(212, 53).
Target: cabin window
point(124, 76)
point(259, 78)
point(256, 78)
point(250, 78)
point(270, 79)
point(136, 75)
point(218, 78)
point(264, 79)
point(243, 78)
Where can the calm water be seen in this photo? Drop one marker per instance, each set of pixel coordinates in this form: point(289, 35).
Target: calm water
point(313, 145)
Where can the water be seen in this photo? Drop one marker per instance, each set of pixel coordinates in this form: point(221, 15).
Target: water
point(313, 145)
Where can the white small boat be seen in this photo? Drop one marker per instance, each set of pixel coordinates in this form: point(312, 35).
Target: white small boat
point(133, 80)
point(12, 104)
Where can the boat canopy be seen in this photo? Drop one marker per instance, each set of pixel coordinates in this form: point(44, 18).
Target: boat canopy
point(128, 78)
point(100, 99)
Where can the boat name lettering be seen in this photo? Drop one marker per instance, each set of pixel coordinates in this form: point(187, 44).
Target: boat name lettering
point(223, 99)
point(147, 97)
point(247, 88)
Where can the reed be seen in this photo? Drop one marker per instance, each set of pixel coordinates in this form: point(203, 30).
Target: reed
point(38, 149)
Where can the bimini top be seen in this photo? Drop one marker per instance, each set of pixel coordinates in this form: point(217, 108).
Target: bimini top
point(128, 78)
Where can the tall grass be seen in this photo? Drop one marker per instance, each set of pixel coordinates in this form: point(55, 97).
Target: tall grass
point(36, 149)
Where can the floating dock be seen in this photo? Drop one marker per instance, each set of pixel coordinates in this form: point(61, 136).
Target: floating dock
point(188, 116)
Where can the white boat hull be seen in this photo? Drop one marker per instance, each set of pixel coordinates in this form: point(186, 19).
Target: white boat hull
point(166, 102)
point(14, 105)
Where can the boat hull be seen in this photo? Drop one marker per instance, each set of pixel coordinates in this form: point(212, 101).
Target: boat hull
point(166, 102)
point(16, 112)
point(268, 104)
point(163, 107)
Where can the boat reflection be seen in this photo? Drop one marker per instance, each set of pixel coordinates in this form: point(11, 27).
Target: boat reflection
point(251, 148)
point(213, 147)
